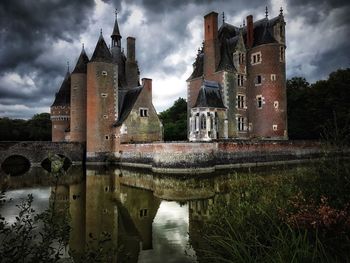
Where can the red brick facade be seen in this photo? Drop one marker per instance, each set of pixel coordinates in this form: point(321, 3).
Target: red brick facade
point(249, 65)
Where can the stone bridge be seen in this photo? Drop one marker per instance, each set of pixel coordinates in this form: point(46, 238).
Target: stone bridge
point(35, 152)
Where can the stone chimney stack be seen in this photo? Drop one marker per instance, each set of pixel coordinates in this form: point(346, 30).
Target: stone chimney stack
point(250, 31)
point(130, 49)
point(211, 51)
point(147, 84)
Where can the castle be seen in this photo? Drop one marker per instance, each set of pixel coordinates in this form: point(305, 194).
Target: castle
point(102, 102)
point(237, 89)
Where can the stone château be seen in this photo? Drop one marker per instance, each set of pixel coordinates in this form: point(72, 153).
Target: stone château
point(238, 86)
point(102, 102)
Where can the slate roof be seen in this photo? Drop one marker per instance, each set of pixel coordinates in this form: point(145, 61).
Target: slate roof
point(116, 31)
point(126, 102)
point(62, 97)
point(81, 66)
point(101, 53)
point(210, 95)
point(228, 36)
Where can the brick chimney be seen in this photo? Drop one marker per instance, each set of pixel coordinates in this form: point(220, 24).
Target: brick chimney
point(211, 51)
point(147, 84)
point(250, 31)
point(130, 49)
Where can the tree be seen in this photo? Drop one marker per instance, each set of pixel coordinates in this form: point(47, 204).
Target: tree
point(175, 121)
point(313, 107)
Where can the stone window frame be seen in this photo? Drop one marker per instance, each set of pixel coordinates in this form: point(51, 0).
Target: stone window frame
point(260, 101)
point(104, 95)
point(256, 58)
point(104, 73)
point(276, 104)
point(240, 123)
point(274, 127)
point(203, 122)
point(241, 58)
point(143, 112)
point(258, 80)
point(143, 212)
point(282, 54)
point(105, 116)
point(240, 80)
point(273, 77)
point(241, 101)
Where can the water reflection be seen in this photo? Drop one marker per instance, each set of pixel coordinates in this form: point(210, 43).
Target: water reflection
point(146, 217)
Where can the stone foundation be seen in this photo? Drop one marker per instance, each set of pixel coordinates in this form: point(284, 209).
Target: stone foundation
point(184, 157)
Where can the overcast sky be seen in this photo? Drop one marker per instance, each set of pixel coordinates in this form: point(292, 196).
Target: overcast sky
point(38, 37)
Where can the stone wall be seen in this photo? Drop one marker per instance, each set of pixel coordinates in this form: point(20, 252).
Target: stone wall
point(206, 157)
point(36, 152)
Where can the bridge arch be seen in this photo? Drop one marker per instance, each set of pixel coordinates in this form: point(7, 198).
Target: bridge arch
point(15, 165)
point(46, 163)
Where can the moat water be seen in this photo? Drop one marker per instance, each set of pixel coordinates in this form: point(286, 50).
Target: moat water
point(149, 217)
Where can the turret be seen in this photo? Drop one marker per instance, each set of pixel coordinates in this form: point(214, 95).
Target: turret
point(60, 111)
point(102, 98)
point(78, 99)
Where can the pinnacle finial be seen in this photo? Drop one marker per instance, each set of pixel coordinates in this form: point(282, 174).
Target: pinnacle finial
point(82, 46)
point(67, 66)
point(223, 17)
point(116, 13)
point(266, 12)
point(243, 22)
point(281, 11)
point(101, 32)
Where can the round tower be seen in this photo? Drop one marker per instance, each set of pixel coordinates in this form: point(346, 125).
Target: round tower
point(78, 99)
point(102, 94)
point(267, 82)
point(60, 112)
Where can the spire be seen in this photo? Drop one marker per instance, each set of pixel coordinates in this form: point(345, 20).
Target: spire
point(67, 66)
point(101, 53)
point(81, 66)
point(266, 12)
point(116, 37)
point(63, 95)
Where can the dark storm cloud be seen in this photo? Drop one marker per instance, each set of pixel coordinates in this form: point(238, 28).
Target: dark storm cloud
point(28, 31)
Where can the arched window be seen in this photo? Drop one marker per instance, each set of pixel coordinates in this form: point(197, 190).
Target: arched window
point(203, 122)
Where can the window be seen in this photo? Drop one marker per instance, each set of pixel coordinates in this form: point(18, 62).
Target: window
point(275, 104)
point(240, 123)
point(104, 95)
point(274, 127)
point(106, 137)
point(281, 54)
point(240, 80)
point(241, 58)
point(143, 112)
point(105, 116)
point(143, 212)
point(104, 73)
point(281, 30)
point(240, 101)
point(256, 58)
point(258, 80)
point(203, 122)
point(273, 77)
point(259, 100)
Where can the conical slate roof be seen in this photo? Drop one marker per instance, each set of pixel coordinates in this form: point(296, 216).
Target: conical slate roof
point(63, 96)
point(116, 29)
point(81, 66)
point(101, 53)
